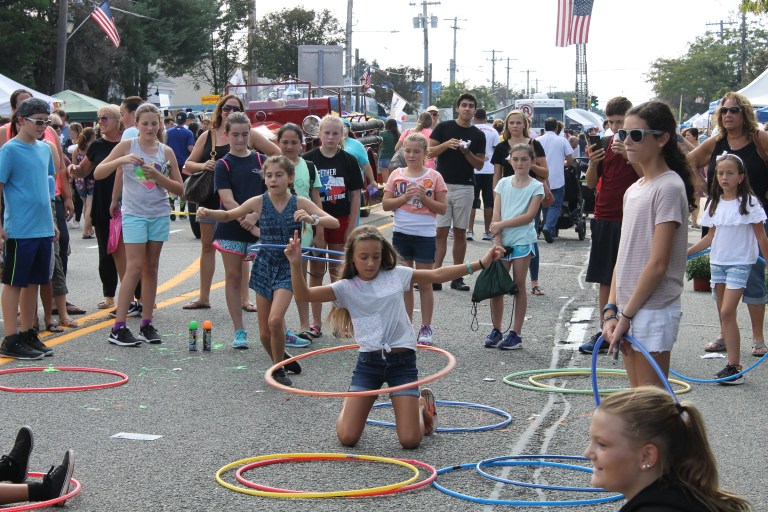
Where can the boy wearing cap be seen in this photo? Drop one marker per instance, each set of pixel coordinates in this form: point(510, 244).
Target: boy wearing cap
point(27, 229)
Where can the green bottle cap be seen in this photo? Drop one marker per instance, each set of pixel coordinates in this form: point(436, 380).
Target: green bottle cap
point(193, 325)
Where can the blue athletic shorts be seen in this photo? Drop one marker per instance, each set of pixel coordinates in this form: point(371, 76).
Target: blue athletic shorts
point(421, 249)
point(140, 230)
point(27, 261)
point(373, 369)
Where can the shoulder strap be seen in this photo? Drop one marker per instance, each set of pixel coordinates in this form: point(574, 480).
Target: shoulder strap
point(226, 163)
point(212, 138)
point(312, 172)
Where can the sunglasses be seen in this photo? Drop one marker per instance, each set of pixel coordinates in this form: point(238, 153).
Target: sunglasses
point(637, 135)
point(39, 122)
point(230, 108)
point(434, 113)
point(106, 118)
point(732, 110)
point(56, 126)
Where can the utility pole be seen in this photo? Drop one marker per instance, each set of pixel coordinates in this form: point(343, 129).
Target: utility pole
point(743, 55)
point(454, 27)
point(721, 23)
point(61, 47)
point(422, 21)
point(253, 64)
point(348, 49)
point(507, 93)
point(493, 60)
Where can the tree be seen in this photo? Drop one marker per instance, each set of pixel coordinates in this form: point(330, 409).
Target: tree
point(402, 80)
point(276, 44)
point(754, 6)
point(28, 41)
point(451, 93)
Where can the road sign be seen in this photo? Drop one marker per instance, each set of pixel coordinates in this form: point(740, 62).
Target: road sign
point(527, 109)
point(210, 100)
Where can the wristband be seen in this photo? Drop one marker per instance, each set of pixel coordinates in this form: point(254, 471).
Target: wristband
point(624, 315)
point(481, 264)
point(609, 317)
point(469, 267)
point(611, 307)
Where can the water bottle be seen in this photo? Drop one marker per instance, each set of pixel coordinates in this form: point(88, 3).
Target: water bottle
point(207, 336)
point(193, 336)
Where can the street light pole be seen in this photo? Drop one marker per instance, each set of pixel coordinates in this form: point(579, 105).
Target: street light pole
point(422, 21)
point(61, 46)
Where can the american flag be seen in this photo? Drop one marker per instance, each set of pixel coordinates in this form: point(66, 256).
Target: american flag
point(573, 17)
point(103, 17)
point(367, 78)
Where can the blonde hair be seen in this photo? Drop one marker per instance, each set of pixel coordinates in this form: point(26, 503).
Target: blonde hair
point(145, 108)
point(339, 318)
point(651, 416)
point(418, 138)
point(526, 123)
point(331, 119)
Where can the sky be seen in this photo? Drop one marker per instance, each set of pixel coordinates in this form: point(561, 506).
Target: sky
point(626, 37)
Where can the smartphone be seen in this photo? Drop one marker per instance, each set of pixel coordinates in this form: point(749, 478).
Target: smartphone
point(594, 140)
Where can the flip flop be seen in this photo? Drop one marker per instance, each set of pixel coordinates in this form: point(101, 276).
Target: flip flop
point(537, 291)
point(306, 334)
point(759, 349)
point(74, 310)
point(68, 323)
point(53, 328)
point(250, 308)
point(105, 305)
point(315, 330)
point(715, 346)
point(196, 304)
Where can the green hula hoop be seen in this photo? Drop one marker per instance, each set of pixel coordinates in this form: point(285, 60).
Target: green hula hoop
point(534, 380)
point(509, 379)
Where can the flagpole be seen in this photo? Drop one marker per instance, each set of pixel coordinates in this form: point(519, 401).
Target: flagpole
point(78, 27)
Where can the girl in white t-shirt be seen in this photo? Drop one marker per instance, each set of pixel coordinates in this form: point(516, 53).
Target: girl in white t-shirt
point(647, 284)
point(516, 200)
point(416, 194)
point(735, 219)
point(368, 304)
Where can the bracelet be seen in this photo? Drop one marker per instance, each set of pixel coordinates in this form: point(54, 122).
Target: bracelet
point(627, 316)
point(481, 264)
point(469, 267)
point(611, 307)
point(609, 317)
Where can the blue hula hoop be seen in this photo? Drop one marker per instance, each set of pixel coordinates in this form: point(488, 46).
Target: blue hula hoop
point(314, 249)
point(648, 356)
point(723, 379)
point(317, 258)
point(506, 421)
point(516, 503)
point(486, 462)
point(707, 251)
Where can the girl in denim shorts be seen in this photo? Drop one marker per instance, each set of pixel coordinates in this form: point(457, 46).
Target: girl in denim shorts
point(735, 218)
point(368, 304)
point(416, 194)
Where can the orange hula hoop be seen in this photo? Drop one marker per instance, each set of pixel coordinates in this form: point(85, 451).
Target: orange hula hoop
point(371, 392)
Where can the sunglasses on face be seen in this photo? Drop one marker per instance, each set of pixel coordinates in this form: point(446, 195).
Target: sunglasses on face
point(104, 119)
point(732, 110)
point(230, 108)
point(56, 126)
point(39, 122)
point(637, 135)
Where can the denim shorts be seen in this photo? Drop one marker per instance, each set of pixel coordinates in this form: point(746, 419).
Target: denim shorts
point(140, 230)
point(421, 249)
point(373, 369)
point(734, 276)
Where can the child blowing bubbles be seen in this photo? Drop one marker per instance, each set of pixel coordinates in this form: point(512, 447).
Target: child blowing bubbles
point(368, 302)
point(279, 213)
point(735, 218)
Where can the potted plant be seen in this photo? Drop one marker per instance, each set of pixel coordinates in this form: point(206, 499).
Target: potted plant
point(698, 270)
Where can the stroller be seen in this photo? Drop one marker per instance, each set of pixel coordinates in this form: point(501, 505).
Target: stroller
point(572, 212)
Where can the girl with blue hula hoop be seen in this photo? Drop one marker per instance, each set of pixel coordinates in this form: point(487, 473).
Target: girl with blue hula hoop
point(655, 452)
point(644, 300)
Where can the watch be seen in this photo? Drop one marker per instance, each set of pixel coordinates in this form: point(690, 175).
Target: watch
point(315, 219)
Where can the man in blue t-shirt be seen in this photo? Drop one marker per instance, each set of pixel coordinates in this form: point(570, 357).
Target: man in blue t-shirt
point(180, 139)
point(27, 230)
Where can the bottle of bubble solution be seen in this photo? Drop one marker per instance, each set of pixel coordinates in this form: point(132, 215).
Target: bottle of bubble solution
point(193, 336)
point(207, 325)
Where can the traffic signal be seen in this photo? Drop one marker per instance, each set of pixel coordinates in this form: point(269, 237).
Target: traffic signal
point(593, 101)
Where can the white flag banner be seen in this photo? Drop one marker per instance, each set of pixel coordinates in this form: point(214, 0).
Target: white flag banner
point(237, 79)
point(397, 106)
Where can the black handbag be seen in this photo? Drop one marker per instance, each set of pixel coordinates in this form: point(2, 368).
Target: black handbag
point(199, 186)
point(493, 281)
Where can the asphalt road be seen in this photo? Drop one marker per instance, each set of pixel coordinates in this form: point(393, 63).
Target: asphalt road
point(215, 408)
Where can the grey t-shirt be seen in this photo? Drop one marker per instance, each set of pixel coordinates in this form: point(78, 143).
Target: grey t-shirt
point(377, 309)
point(141, 197)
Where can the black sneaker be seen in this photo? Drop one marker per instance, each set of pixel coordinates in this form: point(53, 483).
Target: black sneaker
point(729, 371)
point(437, 287)
point(589, 347)
point(547, 236)
point(14, 347)
point(30, 339)
point(280, 376)
point(149, 334)
point(56, 481)
point(123, 338)
point(14, 466)
point(134, 310)
point(459, 284)
point(293, 367)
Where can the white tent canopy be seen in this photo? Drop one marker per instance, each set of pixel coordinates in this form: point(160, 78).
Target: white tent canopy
point(757, 90)
point(7, 86)
point(584, 118)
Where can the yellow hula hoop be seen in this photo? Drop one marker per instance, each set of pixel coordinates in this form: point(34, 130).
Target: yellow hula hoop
point(326, 494)
point(534, 380)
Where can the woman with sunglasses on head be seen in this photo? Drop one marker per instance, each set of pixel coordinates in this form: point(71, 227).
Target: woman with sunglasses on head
point(211, 146)
point(644, 300)
point(739, 134)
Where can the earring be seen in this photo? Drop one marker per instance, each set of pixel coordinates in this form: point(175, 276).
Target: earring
point(645, 467)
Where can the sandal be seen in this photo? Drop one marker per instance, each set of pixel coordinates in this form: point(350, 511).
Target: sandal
point(315, 330)
point(68, 323)
point(716, 346)
point(536, 290)
point(53, 328)
point(105, 304)
point(249, 308)
point(759, 349)
point(429, 406)
point(306, 334)
point(196, 304)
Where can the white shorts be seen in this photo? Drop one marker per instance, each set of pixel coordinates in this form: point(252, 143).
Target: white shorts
point(656, 329)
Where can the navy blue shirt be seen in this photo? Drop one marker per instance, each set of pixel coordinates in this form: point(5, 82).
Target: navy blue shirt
point(243, 177)
point(180, 139)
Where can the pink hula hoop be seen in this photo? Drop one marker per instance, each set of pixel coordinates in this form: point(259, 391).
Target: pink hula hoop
point(123, 379)
point(48, 503)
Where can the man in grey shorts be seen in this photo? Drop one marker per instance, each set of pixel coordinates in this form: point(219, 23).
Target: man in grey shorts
point(460, 149)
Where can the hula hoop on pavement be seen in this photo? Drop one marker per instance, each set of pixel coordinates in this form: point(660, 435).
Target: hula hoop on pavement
point(240, 478)
point(313, 249)
point(487, 462)
point(534, 380)
point(516, 503)
point(325, 494)
point(506, 421)
point(648, 356)
point(48, 503)
point(10, 389)
point(371, 392)
point(509, 379)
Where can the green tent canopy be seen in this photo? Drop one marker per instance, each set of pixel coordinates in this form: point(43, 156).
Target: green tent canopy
point(79, 107)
